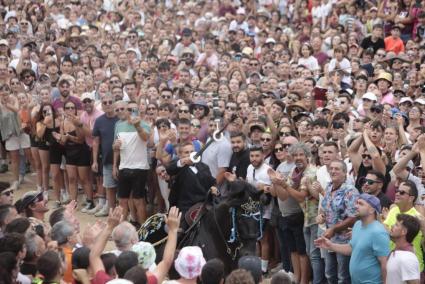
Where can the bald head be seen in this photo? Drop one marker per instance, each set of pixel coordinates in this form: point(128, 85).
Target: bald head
point(290, 140)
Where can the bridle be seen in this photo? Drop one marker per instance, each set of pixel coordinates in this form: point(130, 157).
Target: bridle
point(251, 209)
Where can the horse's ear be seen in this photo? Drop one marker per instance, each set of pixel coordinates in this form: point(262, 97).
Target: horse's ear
point(237, 193)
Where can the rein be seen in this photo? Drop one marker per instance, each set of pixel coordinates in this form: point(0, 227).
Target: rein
point(228, 249)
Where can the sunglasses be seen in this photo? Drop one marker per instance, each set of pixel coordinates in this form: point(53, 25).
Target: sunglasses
point(183, 111)
point(366, 156)
point(114, 82)
point(163, 126)
point(119, 109)
point(282, 133)
point(7, 193)
point(401, 192)
point(196, 125)
point(371, 181)
point(107, 103)
point(279, 149)
point(198, 108)
point(166, 97)
point(151, 108)
point(69, 108)
point(87, 101)
point(266, 139)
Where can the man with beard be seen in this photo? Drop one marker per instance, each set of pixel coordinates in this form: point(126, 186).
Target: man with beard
point(402, 263)
point(373, 185)
point(239, 161)
point(65, 96)
point(299, 186)
point(405, 197)
point(88, 118)
point(33, 204)
point(28, 78)
point(369, 245)
point(257, 175)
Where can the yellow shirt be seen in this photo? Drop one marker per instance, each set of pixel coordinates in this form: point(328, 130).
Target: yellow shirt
point(392, 219)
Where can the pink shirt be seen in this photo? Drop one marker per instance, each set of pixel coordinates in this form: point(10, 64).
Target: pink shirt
point(388, 99)
point(88, 120)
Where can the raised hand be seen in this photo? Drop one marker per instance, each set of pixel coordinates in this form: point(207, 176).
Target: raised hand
point(173, 219)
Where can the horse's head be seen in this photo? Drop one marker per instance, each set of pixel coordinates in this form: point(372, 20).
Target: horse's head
point(246, 203)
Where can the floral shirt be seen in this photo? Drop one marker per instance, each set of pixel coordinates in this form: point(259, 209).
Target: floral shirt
point(338, 205)
point(310, 204)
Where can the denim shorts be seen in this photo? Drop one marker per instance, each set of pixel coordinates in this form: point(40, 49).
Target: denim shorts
point(108, 180)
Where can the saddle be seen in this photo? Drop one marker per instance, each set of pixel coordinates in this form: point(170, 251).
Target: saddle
point(195, 211)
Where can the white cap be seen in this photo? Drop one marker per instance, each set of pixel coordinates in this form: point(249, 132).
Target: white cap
point(370, 96)
point(4, 42)
point(270, 40)
point(420, 101)
point(240, 11)
point(405, 99)
point(87, 96)
point(180, 13)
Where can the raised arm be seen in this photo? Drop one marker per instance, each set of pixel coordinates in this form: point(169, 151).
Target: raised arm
point(354, 153)
point(173, 223)
point(115, 217)
point(377, 162)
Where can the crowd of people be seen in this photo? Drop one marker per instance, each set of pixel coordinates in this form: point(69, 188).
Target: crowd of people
point(318, 104)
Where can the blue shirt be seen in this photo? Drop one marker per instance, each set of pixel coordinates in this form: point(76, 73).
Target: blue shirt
point(368, 243)
point(104, 129)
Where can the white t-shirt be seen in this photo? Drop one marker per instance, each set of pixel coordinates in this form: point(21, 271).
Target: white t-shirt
point(260, 177)
point(402, 266)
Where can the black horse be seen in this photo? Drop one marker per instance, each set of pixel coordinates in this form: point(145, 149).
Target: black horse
point(228, 229)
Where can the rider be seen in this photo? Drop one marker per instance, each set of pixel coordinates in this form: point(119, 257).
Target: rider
point(190, 182)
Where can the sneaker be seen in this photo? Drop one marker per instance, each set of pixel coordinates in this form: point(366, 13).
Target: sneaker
point(95, 209)
point(57, 204)
point(103, 212)
point(89, 206)
point(65, 197)
point(21, 179)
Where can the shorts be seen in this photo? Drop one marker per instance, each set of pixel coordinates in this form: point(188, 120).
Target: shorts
point(56, 152)
point(292, 232)
point(78, 155)
point(18, 142)
point(132, 182)
point(108, 180)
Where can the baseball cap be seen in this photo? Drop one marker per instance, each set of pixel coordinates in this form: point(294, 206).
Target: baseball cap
point(370, 96)
point(186, 32)
point(270, 40)
point(405, 99)
point(29, 198)
point(372, 200)
point(420, 101)
point(4, 186)
point(4, 42)
point(87, 96)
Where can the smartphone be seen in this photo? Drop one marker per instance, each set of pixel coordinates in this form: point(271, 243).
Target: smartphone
point(134, 113)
